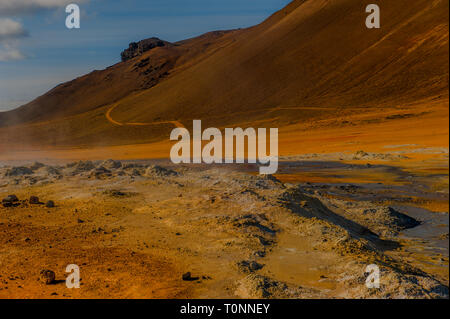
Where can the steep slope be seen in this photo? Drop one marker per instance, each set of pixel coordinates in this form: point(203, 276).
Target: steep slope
point(320, 54)
point(100, 88)
point(312, 60)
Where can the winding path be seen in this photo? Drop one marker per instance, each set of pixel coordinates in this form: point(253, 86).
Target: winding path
point(110, 119)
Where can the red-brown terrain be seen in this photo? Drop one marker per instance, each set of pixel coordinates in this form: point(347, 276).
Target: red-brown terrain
point(312, 61)
point(363, 120)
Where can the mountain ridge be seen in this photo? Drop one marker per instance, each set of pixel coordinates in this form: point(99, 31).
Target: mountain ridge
point(311, 60)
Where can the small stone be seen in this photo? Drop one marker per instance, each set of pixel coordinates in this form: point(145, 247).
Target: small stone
point(187, 276)
point(47, 276)
point(50, 204)
point(249, 266)
point(34, 200)
point(12, 198)
point(10, 201)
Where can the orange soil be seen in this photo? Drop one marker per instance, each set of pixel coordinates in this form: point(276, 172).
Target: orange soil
point(427, 127)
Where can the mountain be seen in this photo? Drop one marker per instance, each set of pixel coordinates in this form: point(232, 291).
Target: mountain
point(310, 61)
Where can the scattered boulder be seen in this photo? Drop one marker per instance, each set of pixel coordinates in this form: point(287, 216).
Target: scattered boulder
point(47, 276)
point(249, 266)
point(50, 204)
point(188, 277)
point(115, 193)
point(10, 201)
point(34, 200)
point(12, 198)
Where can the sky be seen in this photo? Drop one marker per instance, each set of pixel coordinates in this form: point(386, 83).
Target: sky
point(38, 51)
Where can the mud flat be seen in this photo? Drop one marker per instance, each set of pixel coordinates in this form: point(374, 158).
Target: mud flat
point(137, 228)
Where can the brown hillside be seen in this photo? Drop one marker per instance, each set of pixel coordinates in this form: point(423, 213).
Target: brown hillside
point(312, 61)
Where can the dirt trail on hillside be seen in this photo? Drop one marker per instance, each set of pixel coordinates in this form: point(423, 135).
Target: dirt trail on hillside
point(111, 120)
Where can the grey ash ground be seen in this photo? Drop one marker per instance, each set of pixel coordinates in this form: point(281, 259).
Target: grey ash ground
point(138, 228)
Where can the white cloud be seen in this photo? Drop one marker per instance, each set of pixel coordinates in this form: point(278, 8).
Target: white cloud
point(10, 29)
point(10, 54)
point(14, 7)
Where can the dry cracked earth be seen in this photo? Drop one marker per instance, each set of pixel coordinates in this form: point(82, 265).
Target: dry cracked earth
point(141, 230)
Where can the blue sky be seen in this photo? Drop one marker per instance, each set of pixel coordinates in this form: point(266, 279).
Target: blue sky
point(37, 51)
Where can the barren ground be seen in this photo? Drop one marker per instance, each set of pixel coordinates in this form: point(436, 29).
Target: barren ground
point(135, 228)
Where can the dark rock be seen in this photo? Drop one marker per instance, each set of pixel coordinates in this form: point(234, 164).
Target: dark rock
point(34, 200)
point(50, 204)
point(260, 254)
point(47, 276)
point(10, 201)
point(12, 198)
point(115, 193)
point(249, 266)
point(188, 277)
point(138, 48)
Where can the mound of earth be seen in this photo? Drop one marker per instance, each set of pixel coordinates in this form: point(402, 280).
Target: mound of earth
point(310, 62)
